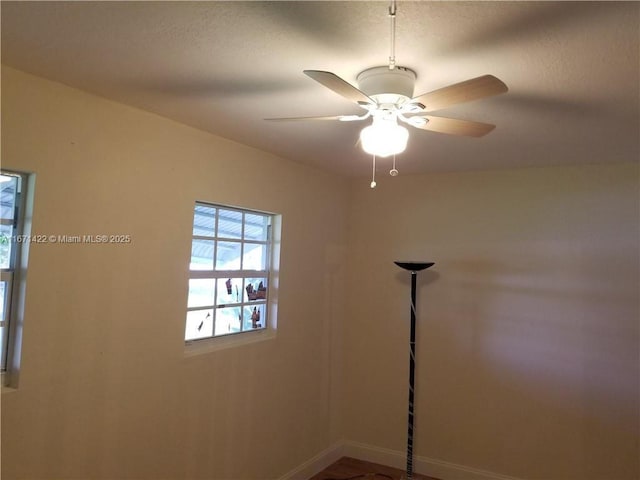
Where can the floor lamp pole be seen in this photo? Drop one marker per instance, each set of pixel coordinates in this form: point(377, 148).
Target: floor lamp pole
point(414, 268)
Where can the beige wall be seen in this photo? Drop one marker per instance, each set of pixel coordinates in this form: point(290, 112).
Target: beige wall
point(528, 342)
point(105, 390)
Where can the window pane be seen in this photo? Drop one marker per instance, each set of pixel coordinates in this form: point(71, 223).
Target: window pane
point(200, 292)
point(8, 191)
point(199, 324)
point(255, 256)
point(254, 317)
point(4, 291)
point(228, 256)
point(255, 289)
point(229, 291)
point(2, 339)
point(255, 227)
point(204, 221)
point(201, 254)
point(229, 224)
point(228, 320)
point(6, 244)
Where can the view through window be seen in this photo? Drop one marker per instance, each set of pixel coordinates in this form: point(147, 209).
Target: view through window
point(229, 272)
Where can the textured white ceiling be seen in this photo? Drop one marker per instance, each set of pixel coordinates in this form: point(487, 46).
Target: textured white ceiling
point(573, 70)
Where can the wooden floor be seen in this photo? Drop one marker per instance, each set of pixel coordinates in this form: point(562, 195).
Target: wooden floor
point(351, 469)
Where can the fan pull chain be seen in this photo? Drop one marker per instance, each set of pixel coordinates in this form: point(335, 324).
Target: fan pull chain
point(392, 16)
point(373, 175)
point(393, 172)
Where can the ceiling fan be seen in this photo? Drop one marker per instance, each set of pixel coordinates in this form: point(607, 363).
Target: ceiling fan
point(386, 95)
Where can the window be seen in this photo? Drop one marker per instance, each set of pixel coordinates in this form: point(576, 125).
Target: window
point(13, 244)
point(229, 272)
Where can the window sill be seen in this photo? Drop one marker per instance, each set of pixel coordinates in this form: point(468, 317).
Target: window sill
point(228, 341)
point(6, 388)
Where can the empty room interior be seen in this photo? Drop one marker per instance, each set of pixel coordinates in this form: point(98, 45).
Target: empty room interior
point(203, 204)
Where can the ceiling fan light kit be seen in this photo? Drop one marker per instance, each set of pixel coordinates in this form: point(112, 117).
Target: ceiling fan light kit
point(389, 88)
point(386, 95)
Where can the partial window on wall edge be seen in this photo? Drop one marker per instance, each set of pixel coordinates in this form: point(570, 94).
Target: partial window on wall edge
point(15, 206)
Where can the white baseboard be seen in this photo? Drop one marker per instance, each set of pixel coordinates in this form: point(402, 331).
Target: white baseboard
point(315, 464)
point(424, 465)
point(393, 458)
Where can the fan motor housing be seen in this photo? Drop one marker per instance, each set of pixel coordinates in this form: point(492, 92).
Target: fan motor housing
point(387, 86)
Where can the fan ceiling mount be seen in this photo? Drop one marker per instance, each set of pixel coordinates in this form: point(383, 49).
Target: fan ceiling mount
point(386, 95)
point(387, 86)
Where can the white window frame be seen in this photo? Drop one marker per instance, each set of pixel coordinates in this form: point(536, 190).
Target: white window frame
point(268, 322)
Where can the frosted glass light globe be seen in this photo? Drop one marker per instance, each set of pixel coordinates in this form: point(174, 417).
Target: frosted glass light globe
point(384, 137)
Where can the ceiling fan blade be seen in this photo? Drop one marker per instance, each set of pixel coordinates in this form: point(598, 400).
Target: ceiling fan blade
point(340, 86)
point(474, 89)
point(453, 126)
point(342, 118)
point(333, 117)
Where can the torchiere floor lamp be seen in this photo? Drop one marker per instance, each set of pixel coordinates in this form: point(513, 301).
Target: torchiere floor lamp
point(414, 268)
